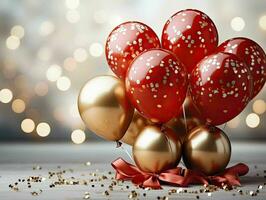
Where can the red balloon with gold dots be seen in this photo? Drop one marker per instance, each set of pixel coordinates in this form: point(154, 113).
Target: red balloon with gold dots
point(253, 55)
point(156, 84)
point(220, 87)
point(125, 42)
point(191, 35)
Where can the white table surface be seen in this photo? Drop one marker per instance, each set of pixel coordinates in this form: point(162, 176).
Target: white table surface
point(20, 161)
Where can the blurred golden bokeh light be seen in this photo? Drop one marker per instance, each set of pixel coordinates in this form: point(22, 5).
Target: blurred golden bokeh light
point(12, 42)
point(72, 4)
point(238, 24)
point(262, 22)
point(18, 106)
point(72, 16)
point(27, 125)
point(63, 83)
point(53, 73)
point(80, 55)
point(252, 120)
point(259, 106)
point(78, 136)
point(43, 129)
point(6, 95)
point(17, 31)
point(96, 49)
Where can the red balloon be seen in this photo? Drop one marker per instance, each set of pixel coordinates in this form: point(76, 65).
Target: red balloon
point(254, 56)
point(191, 35)
point(156, 84)
point(220, 87)
point(125, 42)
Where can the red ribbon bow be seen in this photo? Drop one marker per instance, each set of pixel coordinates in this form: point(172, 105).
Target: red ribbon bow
point(177, 176)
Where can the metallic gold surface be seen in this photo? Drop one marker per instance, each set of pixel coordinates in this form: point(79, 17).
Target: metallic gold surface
point(104, 108)
point(137, 124)
point(185, 122)
point(206, 149)
point(181, 126)
point(156, 149)
point(190, 108)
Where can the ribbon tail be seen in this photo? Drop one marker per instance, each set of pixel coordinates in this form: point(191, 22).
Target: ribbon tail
point(127, 171)
point(119, 176)
point(139, 179)
point(239, 169)
point(124, 170)
point(172, 178)
point(230, 176)
point(152, 182)
point(232, 179)
point(192, 177)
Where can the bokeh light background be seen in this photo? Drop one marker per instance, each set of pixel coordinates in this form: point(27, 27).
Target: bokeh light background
point(49, 49)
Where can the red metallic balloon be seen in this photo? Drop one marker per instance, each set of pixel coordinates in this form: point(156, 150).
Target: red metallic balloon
point(254, 56)
point(125, 42)
point(156, 84)
point(220, 87)
point(191, 35)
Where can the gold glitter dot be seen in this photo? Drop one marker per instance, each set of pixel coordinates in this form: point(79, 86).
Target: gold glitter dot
point(88, 163)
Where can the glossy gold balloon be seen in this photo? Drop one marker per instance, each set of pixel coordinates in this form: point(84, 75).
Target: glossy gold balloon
point(104, 108)
point(185, 122)
point(156, 149)
point(137, 124)
point(206, 149)
point(178, 126)
point(190, 108)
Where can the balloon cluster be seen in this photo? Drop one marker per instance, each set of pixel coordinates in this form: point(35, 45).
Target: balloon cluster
point(169, 95)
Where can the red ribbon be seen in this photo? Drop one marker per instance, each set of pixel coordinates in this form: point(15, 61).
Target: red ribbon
point(177, 176)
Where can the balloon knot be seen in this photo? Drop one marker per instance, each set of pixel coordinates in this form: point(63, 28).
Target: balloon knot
point(118, 144)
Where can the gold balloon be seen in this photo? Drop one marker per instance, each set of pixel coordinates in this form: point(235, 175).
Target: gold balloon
point(206, 149)
point(190, 108)
point(137, 124)
point(178, 126)
point(156, 149)
point(104, 108)
point(185, 123)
